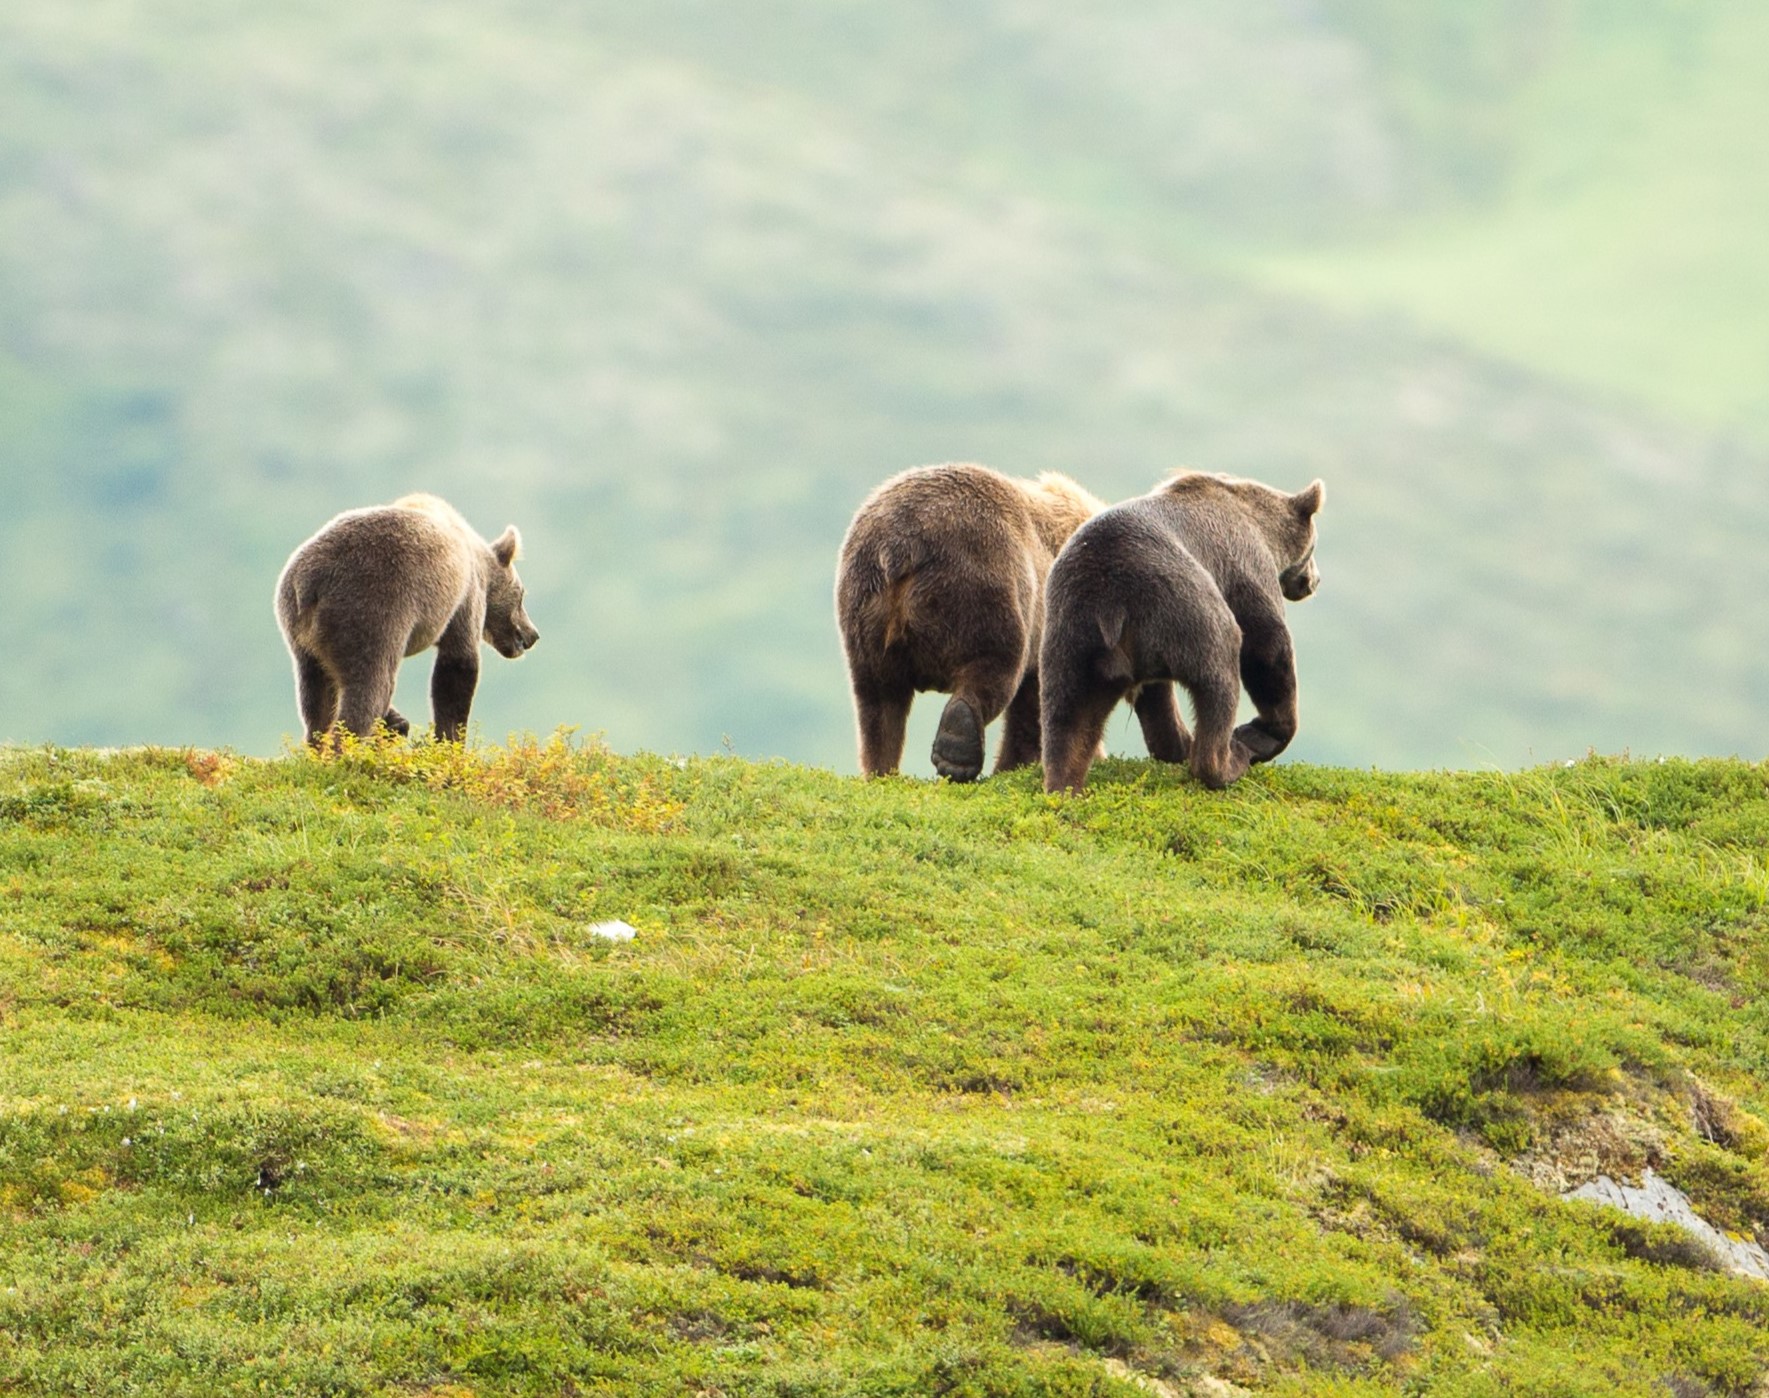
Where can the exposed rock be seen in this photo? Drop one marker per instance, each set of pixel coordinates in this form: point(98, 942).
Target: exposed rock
point(1202, 1386)
point(1658, 1201)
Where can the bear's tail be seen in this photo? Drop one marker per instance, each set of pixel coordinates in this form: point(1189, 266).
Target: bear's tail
point(296, 597)
point(301, 594)
point(879, 589)
point(1112, 664)
point(900, 562)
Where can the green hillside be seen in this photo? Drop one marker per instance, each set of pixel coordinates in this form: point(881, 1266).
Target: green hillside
point(672, 289)
point(1623, 247)
point(314, 1078)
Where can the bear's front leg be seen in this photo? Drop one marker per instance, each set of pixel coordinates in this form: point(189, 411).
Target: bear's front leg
point(1268, 670)
point(1022, 737)
point(452, 683)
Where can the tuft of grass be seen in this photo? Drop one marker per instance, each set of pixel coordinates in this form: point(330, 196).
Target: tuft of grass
point(558, 779)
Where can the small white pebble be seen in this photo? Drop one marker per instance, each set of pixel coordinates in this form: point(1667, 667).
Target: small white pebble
point(614, 931)
point(127, 1141)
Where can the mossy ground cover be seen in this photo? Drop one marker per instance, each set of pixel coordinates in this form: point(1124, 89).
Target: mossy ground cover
point(313, 1078)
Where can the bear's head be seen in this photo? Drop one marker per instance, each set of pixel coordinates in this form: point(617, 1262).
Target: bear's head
point(1291, 534)
point(1283, 522)
point(507, 626)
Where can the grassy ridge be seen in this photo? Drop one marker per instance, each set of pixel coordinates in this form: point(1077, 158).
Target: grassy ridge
point(313, 1079)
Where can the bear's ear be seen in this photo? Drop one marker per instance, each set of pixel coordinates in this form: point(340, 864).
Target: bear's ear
point(1308, 502)
point(506, 546)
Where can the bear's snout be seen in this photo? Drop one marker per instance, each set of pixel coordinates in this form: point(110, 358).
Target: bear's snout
point(1300, 584)
point(517, 642)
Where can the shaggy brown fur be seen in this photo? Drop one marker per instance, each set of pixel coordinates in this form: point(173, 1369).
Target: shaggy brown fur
point(1187, 583)
point(941, 586)
point(377, 585)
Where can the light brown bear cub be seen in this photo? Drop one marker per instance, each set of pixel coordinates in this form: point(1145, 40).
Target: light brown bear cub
point(379, 584)
point(941, 587)
point(1186, 583)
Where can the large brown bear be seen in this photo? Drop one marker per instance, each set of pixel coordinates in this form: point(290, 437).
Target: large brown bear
point(941, 586)
point(379, 584)
point(1187, 583)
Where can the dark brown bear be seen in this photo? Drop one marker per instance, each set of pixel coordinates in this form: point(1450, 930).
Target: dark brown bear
point(1187, 583)
point(377, 585)
point(941, 586)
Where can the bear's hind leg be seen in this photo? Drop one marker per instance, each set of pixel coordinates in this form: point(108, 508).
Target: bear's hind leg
point(1074, 728)
point(1164, 733)
point(1204, 655)
point(316, 694)
point(1217, 759)
point(368, 694)
point(882, 713)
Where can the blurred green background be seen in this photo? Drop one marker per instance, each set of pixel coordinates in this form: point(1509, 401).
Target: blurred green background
point(672, 285)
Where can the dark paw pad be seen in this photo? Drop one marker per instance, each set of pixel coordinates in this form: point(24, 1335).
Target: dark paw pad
point(1261, 746)
point(958, 746)
point(397, 722)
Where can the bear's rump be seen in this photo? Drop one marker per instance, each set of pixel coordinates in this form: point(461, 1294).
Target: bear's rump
point(1135, 589)
point(1175, 609)
point(399, 601)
